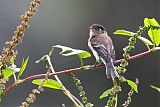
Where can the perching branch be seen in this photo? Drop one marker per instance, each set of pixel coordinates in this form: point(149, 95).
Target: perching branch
point(71, 70)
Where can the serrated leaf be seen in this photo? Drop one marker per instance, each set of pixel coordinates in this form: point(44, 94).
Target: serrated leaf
point(133, 85)
point(67, 51)
point(128, 33)
point(23, 67)
point(7, 72)
point(156, 88)
point(49, 83)
point(153, 34)
point(106, 93)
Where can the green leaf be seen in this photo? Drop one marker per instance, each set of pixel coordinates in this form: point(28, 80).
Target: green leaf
point(7, 72)
point(49, 83)
point(22, 62)
point(146, 41)
point(50, 52)
point(156, 48)
point(23, 67)
point(67, 51)
point(11, 60)
point(128, 33)
point(133, 85)
point(123, 32)
point(106, 93)
point(148, 22)
point(153, 34)
point(156, 88)
point(1, 91)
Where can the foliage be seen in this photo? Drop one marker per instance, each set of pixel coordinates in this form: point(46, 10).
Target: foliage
point(82, 93)
point(8, 69)
point(7, 72)
point(156, 88)
point(49, 83)
point(128, 33)
point(67, 51)
point(106, 93)
point(23, 67)
point(133, 85)
point(153, 33)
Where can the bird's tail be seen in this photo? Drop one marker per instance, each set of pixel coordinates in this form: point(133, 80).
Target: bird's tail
point(110, 70)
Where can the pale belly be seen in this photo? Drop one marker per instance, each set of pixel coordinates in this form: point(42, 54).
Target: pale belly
point(94, 52)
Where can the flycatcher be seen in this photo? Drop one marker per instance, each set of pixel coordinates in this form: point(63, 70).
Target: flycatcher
point(102, 48)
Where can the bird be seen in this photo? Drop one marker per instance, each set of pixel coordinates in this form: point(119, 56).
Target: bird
point(102, 48)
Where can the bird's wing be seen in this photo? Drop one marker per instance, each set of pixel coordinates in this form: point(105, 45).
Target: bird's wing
point(102, 51)
point(113, 54)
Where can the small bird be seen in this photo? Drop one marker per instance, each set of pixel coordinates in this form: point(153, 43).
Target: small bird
point(102, 48)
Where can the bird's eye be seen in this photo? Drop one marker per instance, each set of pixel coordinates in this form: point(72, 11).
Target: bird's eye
point(99, 29)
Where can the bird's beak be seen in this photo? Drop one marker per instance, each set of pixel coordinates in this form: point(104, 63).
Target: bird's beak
point(90, 27)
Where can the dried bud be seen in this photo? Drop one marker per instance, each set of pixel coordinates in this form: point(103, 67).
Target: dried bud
point(1, 75)
point(122, 79)
point(84, 99)
point(33, 9)
point(2, 86)
point(29, 14)
point(35, 91)
point(25, 24)
point(25, 17)
point(137, 81)
point(10, 43)
point(40, 88)
point(29, 100)
point(33, 4)
point(38, 1)
point(24, 104)
point(32, 96)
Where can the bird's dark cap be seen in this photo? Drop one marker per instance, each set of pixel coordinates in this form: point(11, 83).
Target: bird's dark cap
point(96, 26)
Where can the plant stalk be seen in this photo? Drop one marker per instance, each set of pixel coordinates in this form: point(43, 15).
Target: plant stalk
point(76, 102)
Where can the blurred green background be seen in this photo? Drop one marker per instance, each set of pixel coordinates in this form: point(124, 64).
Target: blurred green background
point(65, 22)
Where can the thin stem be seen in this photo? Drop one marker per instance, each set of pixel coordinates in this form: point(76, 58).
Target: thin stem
point(46, 57)
point(14, 75)
point(116, 100)
point(81, 62)
point(114, 82)
point(115, 96)
point(148, 47)
point(66, 91)
point(73, 69)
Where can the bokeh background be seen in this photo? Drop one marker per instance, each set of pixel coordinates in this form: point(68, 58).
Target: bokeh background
point(66, 22)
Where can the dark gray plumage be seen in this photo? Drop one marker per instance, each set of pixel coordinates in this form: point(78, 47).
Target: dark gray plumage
point(102, 47)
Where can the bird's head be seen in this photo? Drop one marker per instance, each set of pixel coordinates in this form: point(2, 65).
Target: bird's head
point(97, 29)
